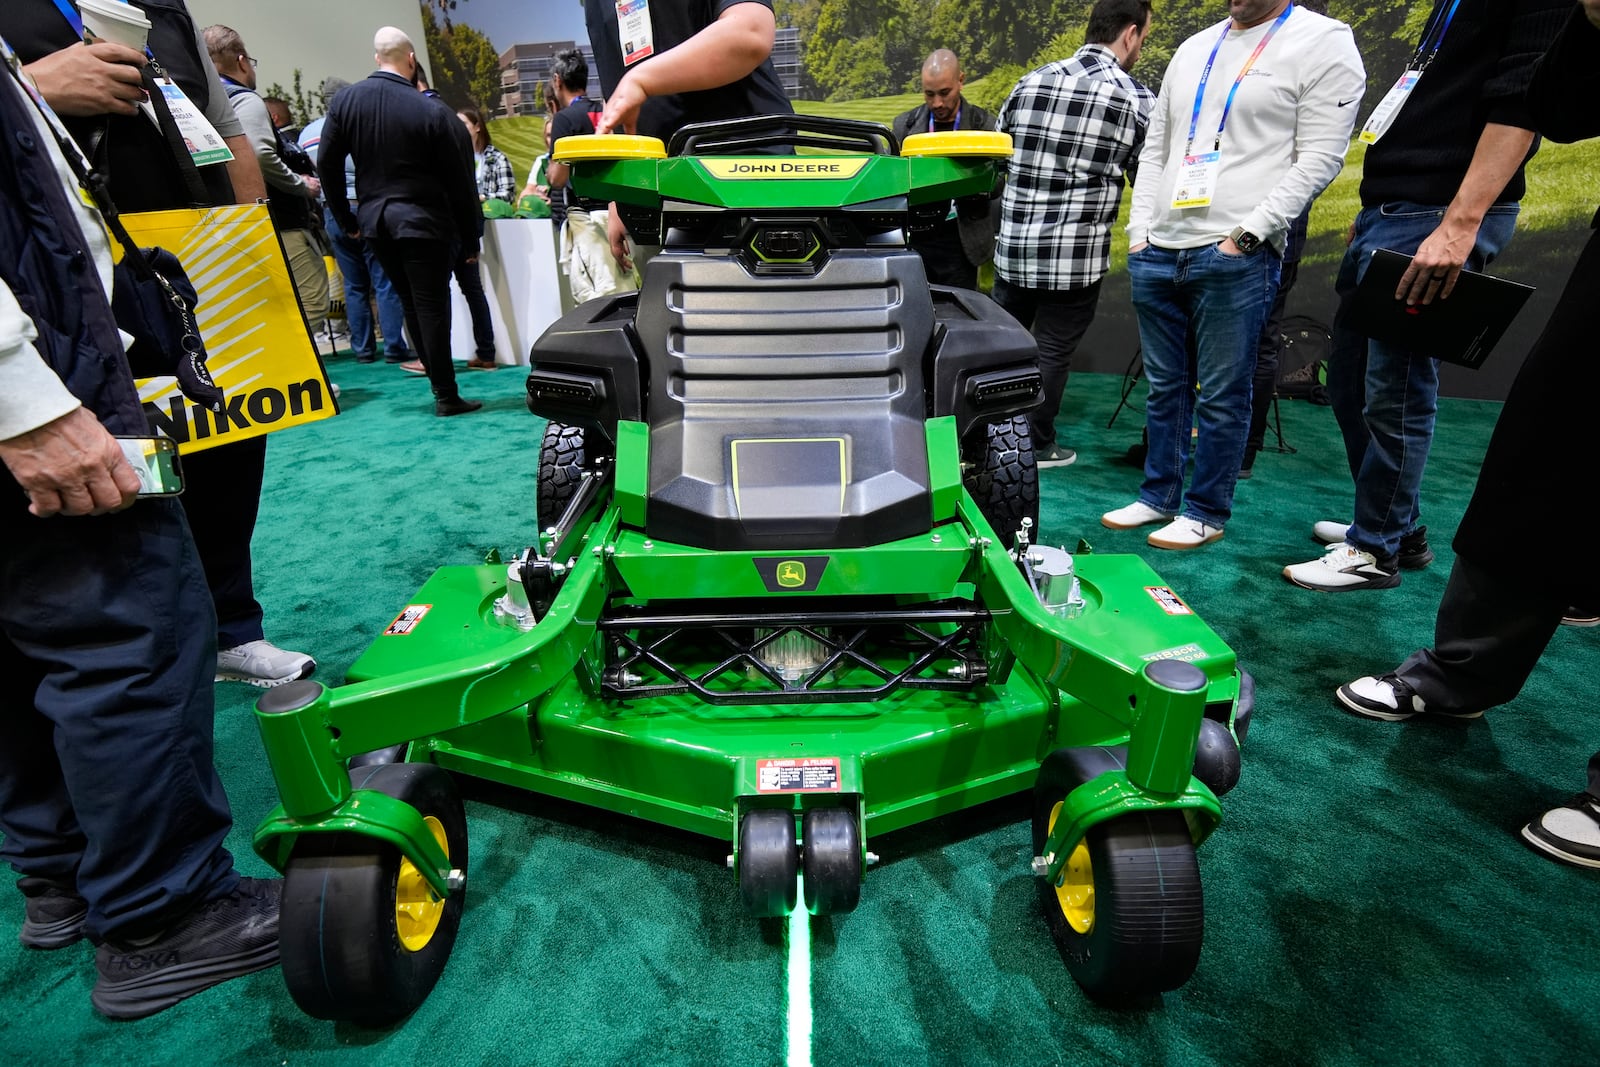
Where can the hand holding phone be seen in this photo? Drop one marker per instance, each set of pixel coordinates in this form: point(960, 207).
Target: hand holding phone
point(71, 466)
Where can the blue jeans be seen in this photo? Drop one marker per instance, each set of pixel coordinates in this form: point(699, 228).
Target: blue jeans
point(1218, 302)
point(1385, 397)
point(363, 275)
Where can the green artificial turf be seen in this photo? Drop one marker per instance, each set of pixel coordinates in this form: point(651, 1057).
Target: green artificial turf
point(1367, 900)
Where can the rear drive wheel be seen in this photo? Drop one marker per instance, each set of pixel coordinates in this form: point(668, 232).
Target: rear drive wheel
point(1128, 917)
point(769, 861)
point(998, 469)
point(564, 454)
point(362, 935)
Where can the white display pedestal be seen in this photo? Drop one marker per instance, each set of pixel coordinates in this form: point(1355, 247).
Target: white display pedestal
point(521, 280)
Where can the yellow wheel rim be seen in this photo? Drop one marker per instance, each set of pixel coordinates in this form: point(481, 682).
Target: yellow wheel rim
point(417, 909)
point(1075, 894)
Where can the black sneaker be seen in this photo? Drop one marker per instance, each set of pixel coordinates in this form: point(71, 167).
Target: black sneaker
point(1247, 466)
point(53, 913)
point(1570, 833)
point(1389, 699)
point(1414, 552)
point(232, 936)
point(455, 406)
point(1576, 616)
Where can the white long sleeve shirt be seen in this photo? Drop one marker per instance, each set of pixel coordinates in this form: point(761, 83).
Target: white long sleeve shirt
point(1285, 139)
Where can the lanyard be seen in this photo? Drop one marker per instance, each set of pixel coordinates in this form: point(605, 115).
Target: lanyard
point(70, 13)
point(957, 126)
point(1205, 76)
point(1433, 35)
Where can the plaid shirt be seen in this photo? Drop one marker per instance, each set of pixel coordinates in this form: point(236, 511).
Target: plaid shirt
point(1076, 126)
point(495, 179)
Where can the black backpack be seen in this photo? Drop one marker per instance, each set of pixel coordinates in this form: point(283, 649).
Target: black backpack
point(1303, 364)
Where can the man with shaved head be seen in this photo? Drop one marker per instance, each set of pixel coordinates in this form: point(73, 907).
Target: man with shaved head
point(416, 198)
point(956, 246)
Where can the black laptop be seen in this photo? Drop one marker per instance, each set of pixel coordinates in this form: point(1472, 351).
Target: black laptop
point(1461, 330)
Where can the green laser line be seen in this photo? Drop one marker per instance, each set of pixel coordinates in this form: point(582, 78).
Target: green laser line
point(797, 935)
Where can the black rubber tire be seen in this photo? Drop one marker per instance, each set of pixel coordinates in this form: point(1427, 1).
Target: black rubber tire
point(1149, 914)
point(338, 937)
point(831, 860)
point(998, 469)
point(564, 455)
point(769, 861)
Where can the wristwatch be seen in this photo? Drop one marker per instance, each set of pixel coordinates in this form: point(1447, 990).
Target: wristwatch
point(1247, 241)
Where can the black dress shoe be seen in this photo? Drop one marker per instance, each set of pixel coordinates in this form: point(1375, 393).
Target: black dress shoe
point(455, 406)
point(367, 357)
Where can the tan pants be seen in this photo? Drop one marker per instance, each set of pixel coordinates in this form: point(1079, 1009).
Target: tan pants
point(310, 275)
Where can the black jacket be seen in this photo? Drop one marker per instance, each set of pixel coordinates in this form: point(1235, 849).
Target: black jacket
point(45, 264)
point(413, 161)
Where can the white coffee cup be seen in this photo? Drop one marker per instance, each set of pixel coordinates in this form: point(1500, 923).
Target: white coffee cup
point(113, 20)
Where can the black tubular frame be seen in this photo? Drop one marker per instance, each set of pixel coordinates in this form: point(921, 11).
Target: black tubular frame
point(640, 640)
point(756, 132)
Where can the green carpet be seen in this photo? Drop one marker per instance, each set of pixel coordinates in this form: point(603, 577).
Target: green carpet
point(1367, 898)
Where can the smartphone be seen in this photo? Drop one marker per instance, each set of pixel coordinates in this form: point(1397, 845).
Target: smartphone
point(155, 461)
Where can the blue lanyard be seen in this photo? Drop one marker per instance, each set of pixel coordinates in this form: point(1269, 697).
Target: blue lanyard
point(957, 126)
point(70, 13)
point(1205, 77)
point(1433, 35)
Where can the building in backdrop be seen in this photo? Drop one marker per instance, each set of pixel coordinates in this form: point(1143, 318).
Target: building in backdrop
point(525, 70)
point(525, 73)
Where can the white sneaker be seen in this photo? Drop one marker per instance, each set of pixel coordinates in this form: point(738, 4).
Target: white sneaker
point(1570, 833)
point(1185, 533)
point(1329, 532)
point(1341, 569)
point(263, 664)
point(1133, 516)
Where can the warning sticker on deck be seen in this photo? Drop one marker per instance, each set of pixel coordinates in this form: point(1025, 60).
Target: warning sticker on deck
point(1170, 602)
point(407, 620)
point(797, 775)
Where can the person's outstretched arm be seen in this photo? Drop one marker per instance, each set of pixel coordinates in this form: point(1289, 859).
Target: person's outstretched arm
point(738, 42)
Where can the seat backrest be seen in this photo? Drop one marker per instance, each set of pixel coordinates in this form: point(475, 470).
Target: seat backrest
point(786, 411)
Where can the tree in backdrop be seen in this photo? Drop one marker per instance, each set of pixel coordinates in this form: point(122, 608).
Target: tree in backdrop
point(463, 65)
point(306, 106)
point(853, 49)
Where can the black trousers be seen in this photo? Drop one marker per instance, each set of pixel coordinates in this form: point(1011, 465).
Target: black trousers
point(419, 269)
point(221, 497)
point(107, 653)
point(469, 277)
point(943, 258)
point(1492, 627)
point(1058, 319)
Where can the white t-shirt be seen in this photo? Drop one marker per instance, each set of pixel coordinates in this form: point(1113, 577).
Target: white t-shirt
point(1285, 139)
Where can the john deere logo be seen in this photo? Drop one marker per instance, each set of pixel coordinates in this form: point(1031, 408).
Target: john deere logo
point(797, 575)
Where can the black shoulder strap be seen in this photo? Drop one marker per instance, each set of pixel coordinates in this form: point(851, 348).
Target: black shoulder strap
point(198, 196)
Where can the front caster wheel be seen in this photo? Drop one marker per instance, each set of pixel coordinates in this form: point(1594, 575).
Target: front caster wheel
point(769, 860)
point(832, 863)
point(362, 936)
point(1128, 916)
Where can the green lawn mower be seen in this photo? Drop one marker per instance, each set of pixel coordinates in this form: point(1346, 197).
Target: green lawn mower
point(786, 590)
